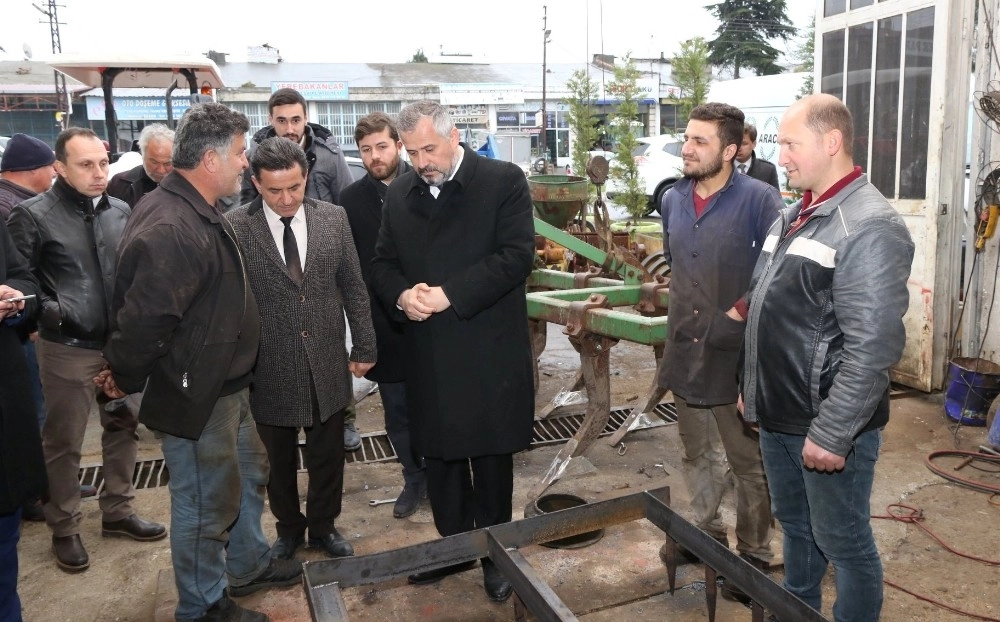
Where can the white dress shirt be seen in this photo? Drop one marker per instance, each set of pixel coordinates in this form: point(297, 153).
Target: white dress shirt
point(298, 225)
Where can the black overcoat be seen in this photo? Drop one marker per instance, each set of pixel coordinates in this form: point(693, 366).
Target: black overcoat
point(22, 469)
point(468, 369)
point(362, 201)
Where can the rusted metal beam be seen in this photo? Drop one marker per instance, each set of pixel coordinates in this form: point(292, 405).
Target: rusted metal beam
point(761, 589)
point(608, 322)
point(533, 592)
point(595, 352)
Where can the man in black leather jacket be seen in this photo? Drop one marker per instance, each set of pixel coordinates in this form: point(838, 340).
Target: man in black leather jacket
point(69, 235)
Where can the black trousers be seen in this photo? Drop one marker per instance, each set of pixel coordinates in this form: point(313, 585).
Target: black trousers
point(324, 458)
point(470, 493)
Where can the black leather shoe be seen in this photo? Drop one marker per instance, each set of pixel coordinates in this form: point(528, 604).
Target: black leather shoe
point(32, 511)
point(70, 554)
point(333, 543)
point(409, 499)
point(285, 546)
point(135, 528)
point(226, 610)
point(433, 576)
point(279, 572)
point(497, 587)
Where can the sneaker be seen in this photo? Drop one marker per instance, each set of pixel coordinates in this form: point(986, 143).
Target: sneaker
point(409, 499)
point(352, 440)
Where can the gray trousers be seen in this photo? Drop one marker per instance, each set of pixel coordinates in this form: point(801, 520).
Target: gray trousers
point(710, 435)
point(67, 375)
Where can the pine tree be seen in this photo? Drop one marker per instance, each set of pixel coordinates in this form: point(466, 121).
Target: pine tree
point(624, 171)
point(582, 120)
point(692, 74)
point(745, 27)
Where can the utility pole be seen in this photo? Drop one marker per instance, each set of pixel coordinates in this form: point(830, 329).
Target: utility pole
point(545, 117)
point(63, 109)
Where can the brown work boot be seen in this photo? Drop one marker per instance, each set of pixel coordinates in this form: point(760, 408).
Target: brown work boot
point(70, 554)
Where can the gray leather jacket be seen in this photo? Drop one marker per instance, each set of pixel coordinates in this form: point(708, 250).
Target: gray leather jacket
point(825, 319)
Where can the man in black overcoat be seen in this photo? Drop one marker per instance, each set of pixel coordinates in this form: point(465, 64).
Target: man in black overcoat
point(379, 145)
point(22, 468)
point(455, 247)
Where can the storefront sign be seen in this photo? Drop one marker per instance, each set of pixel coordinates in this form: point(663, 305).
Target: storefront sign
point(315, 91)
point(138, 108)
point(458, 94)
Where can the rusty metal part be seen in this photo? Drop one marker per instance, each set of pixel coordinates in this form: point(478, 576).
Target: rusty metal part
point(650, 296)
point(597, 170)
point(325, 579)
point(653, 398)
point(656, 264)
point(719, 560)
point(579, 308)
point(551, 407)
point(580, 279)
point(595, 354)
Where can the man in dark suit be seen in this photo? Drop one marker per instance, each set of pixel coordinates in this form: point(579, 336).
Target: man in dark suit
point(456, 244)
point(304, 273)
point(748, 163)
point(379, 144)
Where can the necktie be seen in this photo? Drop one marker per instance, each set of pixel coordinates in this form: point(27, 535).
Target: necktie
point(291, 251)
point(743, 168)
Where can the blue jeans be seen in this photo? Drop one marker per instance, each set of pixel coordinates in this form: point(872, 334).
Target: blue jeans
point(826, 518)
point(216, 500)
point(10, 533)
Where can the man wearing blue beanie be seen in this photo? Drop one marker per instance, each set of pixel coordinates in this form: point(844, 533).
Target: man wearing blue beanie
point(25, 170)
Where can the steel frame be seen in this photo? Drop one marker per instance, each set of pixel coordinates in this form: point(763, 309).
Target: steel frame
point(324, 580)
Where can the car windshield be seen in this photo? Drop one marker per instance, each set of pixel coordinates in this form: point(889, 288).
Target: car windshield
point(640, 149)
point(673, 148)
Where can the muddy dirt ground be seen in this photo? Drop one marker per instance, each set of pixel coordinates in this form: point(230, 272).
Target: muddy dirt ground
point(618, 578)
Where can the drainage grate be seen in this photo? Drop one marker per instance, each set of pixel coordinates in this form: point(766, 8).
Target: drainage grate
point(375, 446)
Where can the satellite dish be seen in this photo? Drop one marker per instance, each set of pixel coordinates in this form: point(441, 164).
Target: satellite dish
point(27, 51)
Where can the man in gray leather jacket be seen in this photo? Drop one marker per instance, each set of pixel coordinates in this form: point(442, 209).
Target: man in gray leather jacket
point(824, 325)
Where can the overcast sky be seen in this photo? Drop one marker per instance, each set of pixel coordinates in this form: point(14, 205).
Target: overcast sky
point(386, 31)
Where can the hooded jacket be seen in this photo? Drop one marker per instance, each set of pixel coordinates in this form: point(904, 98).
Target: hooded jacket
point(328, 170)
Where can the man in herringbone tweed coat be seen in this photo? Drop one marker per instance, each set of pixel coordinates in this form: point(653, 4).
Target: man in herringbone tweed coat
point(305, 275)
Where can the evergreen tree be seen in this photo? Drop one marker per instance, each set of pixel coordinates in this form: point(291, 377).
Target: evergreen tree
point(745, 27)
point(582, 120)
point(806, 58)
point(418, 57)
point(624, 171)
point(692, 74)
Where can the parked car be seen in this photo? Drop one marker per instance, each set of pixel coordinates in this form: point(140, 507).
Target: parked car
point(660, 166)
point(357, 167)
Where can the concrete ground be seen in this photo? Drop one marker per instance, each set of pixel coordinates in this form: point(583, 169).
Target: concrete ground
point(618, 578)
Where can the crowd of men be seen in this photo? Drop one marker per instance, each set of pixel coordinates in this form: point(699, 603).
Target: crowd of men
point(207, 294)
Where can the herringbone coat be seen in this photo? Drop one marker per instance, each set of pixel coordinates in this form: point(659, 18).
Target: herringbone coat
point(302, 327)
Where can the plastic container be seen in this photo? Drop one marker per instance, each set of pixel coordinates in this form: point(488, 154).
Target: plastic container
point(972, 385)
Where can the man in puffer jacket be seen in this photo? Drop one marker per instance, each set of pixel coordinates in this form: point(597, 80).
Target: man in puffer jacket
point(328, 170)
point(824, 325)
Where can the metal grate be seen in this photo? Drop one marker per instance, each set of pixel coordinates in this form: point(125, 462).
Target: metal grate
point(375, 446)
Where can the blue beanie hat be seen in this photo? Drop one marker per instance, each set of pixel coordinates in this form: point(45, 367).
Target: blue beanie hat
point(26, 153)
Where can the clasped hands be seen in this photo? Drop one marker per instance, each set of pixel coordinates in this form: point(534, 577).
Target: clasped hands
point(421, 301)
